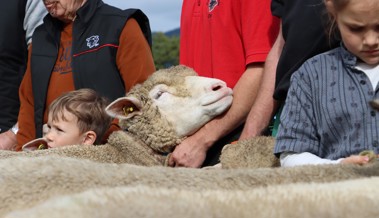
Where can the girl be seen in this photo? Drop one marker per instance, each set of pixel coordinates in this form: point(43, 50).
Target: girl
point(327, 117)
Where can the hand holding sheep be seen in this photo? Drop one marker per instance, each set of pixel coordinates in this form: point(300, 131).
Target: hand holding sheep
point(364, 157)
point(190, 155)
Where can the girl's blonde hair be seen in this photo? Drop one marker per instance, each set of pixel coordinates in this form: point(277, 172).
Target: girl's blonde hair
point(332, 7)
point(87, 106)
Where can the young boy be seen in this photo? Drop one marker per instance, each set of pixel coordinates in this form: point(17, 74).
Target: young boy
point(76, 117)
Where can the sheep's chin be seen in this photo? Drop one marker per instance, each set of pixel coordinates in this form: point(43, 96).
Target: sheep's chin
point(219, 107)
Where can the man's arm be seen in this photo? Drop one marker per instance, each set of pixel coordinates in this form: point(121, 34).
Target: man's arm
point(265, 105)
point(192, 151)
point(34, 13)
point(8, 140)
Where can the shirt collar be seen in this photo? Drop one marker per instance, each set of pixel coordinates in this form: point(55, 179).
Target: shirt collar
point(86, 12)
point(347, 57)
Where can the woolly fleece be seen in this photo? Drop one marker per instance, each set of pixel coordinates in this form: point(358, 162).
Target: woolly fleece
point(354, 198)
point(26, 182)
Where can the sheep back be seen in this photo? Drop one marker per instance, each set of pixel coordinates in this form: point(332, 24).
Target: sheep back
point(28, 181)
point(355, 198)
point(255, 152)
point(121, 148)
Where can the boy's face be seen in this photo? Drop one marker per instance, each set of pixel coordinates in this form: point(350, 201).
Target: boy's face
point(358, 23)
point(64, 132)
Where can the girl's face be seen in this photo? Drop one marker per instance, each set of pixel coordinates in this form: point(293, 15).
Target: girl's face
point(358, 23)
point(64, 10)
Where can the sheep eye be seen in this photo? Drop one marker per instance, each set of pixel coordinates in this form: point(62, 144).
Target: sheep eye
point(158, 94)
point(158, 91)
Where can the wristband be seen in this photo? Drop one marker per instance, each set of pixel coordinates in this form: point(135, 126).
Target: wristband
point(14, 129)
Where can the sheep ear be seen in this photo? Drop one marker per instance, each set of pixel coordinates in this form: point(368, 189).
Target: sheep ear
point(124, 108)
point(36, 144)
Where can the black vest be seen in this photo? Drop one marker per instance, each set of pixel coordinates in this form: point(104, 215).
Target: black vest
point(96, 32)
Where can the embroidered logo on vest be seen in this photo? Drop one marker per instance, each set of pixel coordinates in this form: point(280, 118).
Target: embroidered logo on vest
point(212, 4)
point(92, 41)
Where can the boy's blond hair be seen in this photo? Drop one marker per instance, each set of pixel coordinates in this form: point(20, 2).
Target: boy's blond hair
point(87, 106)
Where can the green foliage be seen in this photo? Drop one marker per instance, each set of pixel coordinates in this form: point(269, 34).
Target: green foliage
point(165, 50)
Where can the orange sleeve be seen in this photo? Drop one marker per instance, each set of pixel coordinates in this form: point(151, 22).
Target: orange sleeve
point(26, 125)
point(134, 58)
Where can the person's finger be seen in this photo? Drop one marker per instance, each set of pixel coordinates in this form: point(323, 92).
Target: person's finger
point(364, 160)
point(171, 161)
point(361, 159)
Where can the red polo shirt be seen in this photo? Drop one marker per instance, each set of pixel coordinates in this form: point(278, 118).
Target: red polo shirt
point(220, 37)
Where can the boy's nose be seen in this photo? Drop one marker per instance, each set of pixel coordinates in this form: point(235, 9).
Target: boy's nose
point(49, 136)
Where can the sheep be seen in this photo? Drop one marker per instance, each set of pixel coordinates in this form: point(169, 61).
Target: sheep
point(157, 115)
point(28, 181)
point(30, 178)
point(122, 147)
point(171, 105)
point(256, 152)
point(355, 198)
point(156, 125)
point(250, 153)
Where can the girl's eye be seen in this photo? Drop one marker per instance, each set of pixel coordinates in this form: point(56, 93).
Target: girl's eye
point(355, 29)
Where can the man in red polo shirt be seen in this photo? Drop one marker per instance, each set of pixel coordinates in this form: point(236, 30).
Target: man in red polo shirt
point(227, 40)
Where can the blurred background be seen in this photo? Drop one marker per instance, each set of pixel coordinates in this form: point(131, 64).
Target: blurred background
point(164, 17)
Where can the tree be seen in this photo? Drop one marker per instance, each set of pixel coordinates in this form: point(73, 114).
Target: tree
point(165, 50)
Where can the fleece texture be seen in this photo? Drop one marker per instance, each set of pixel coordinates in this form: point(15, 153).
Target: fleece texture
point(26, 182)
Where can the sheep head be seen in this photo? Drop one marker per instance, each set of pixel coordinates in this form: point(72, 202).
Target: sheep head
point(170, 105)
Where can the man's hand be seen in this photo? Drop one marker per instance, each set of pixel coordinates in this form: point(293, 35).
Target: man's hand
point(8, 141)
point(189, 153)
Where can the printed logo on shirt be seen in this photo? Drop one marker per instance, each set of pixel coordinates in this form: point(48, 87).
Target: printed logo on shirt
point(63, 64)
point(212, 4)
point(92, 41)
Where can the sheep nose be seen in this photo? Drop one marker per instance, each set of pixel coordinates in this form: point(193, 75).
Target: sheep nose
point(217, 86)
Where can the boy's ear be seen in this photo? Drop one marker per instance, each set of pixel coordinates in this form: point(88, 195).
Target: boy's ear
point(89, 138)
